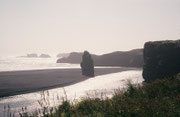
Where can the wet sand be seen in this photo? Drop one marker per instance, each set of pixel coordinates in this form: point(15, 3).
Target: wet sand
point(20, 82)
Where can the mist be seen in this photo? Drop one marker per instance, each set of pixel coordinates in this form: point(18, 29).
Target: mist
point(99, 26)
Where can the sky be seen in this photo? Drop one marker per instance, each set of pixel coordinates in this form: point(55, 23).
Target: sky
point(99, 26)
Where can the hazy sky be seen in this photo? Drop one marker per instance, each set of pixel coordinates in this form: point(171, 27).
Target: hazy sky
point(99, 26)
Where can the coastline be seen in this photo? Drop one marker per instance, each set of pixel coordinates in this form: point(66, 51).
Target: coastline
point(21, 82)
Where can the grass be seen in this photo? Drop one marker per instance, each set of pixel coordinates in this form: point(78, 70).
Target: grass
point(160, 98)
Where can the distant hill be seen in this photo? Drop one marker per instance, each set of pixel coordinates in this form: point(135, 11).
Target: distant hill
point(133, 58)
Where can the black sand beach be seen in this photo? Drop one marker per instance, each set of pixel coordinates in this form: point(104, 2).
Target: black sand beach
point(19, 82)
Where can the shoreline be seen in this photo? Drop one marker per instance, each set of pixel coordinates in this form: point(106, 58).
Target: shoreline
point(28, 81)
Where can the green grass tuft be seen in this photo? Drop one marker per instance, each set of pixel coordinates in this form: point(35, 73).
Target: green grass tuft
point(160, 98)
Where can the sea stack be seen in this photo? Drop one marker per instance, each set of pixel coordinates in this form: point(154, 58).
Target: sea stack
point(87, 64)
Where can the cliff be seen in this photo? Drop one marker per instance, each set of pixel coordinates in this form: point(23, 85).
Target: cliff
point(161, 59)
point(133, 58)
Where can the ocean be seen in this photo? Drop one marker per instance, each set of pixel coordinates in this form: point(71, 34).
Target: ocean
point(22, 63)
point(92, 86)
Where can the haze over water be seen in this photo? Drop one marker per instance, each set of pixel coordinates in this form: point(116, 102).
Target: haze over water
point(23, 63)
point(99, 26)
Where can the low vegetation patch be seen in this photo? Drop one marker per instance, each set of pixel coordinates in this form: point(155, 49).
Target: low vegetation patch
point(160, 98)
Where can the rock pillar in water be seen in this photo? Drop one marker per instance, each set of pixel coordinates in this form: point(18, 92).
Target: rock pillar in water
point(87, 64)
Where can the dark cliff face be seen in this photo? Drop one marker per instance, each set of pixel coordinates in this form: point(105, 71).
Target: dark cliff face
point(133, 58)
point(161, 59)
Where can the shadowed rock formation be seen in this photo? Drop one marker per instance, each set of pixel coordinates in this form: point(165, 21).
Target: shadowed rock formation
point(161, 59)
point(87, 64)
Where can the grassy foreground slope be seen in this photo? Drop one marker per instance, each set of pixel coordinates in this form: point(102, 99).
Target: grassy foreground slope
point(161, 98)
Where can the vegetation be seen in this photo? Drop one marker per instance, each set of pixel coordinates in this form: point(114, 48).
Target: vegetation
point(160, 98)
